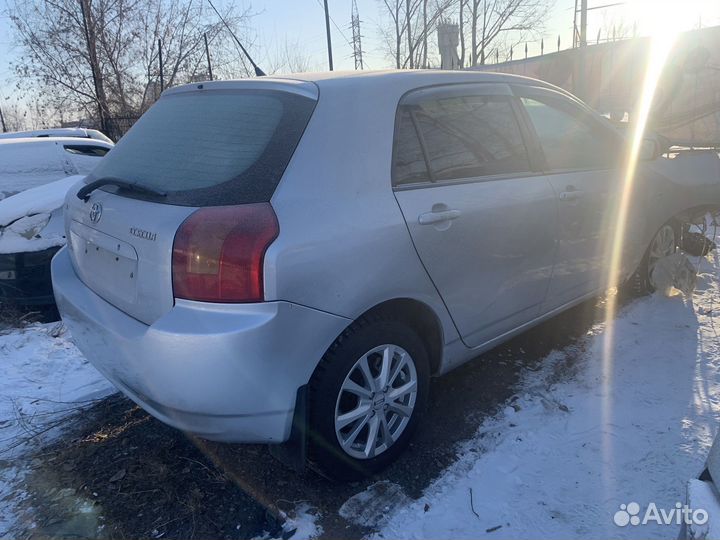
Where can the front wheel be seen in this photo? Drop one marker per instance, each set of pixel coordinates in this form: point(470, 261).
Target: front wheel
point(664, 243)
point(366, 398)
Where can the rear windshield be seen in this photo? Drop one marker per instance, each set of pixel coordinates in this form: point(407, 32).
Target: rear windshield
point(210, 148)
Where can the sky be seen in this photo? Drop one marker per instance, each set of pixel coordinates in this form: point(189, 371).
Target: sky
point(302, 22)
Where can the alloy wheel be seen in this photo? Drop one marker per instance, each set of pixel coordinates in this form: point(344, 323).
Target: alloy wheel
point(376, 401)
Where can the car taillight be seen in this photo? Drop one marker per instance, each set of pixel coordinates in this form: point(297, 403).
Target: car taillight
point(219, 251)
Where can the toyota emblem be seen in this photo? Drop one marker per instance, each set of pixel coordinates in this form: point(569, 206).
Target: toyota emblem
point(95, 212)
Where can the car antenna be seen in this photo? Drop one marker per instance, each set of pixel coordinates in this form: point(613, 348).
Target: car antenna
point(258, 72)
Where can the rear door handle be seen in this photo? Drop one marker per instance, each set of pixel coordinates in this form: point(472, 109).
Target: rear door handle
point(572, 195)
point(429, 218)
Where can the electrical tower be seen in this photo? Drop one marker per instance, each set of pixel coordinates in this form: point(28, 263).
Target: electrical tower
point(356, 37)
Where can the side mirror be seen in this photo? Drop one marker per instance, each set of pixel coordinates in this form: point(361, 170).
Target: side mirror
point(649, 150)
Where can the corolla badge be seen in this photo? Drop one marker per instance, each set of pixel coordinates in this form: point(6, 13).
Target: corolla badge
point(95, 212)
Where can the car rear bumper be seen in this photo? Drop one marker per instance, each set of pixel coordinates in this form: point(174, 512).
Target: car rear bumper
point(221, 371)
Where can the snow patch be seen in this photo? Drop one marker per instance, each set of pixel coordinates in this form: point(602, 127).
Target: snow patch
point(632, 425)
point(44, 379)
point(371, 507)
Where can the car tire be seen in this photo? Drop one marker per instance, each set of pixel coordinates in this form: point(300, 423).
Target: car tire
point(665, 242)
point(340, 390)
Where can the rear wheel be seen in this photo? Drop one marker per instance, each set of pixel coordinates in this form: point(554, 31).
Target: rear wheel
point(366, 398)
point(664, 243)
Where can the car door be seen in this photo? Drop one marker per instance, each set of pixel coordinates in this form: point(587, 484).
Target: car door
point(481, 218)
point(583, 160)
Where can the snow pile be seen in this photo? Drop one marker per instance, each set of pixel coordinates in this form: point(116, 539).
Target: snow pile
point(372, 507)
point(39, 200)
point(32, 220)
point(44, 379)
point(299, 524)
point(302, 525)
point(633, 423)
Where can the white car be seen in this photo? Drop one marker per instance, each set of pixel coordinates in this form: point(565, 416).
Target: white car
point(82, 133)
point(31, 162)
point(33, 182)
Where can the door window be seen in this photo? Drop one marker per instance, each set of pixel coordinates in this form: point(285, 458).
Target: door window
point(458, 138)
point(569, 138)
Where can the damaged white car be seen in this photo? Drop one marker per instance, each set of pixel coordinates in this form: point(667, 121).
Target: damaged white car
point(35, 174)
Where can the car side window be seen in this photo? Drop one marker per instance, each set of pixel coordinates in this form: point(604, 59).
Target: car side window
point(462, 137)
point(568, 139)
point(409, 164)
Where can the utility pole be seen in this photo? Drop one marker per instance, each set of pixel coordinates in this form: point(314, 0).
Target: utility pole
point(583, 23)
point(582, 53)
point(356, 37)
point(327, 32)
point(90, 38)
point(207, 53)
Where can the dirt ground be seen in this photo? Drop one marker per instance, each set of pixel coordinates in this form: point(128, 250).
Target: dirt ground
point(119, 473)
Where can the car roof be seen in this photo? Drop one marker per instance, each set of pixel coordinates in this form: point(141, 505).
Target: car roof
point(51, 140)
point(394, 81)
point(421, 77)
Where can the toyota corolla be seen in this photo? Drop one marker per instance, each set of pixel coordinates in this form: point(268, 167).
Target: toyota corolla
point(282, 260)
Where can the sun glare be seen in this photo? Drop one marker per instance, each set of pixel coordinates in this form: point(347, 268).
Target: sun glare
point(658, 17)
point(662, 41)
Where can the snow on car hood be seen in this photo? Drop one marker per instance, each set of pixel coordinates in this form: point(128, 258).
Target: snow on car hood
point(32, 219)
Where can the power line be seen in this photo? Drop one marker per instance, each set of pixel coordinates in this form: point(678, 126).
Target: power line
point(335, 24)
point(349, 42)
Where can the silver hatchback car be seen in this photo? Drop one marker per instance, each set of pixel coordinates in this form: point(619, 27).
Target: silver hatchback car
point(290, 260)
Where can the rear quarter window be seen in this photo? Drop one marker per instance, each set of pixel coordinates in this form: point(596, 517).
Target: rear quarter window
point(209, 148)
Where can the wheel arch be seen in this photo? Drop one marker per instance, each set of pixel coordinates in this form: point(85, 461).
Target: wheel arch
point(422, 318)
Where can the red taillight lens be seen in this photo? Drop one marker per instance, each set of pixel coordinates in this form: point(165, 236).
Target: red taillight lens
point(219, 251)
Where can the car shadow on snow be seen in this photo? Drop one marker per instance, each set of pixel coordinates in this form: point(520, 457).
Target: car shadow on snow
point(117, 472)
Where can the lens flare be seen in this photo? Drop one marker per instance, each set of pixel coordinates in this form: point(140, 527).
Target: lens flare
point(660, 47)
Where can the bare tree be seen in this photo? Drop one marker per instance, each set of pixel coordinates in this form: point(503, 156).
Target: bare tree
point(289, 58)
point(89, 55)
point(393, 38)
point(15, 117)
point(409, 23)
point(499, 23)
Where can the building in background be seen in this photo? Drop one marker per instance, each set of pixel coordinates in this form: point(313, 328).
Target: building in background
point(448, 41)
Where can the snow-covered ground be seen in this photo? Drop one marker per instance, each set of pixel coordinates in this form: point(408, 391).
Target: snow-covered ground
point(599, 425)
point(44, 378)
point(632, 422)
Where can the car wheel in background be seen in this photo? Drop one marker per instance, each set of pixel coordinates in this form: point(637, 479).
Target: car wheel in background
point(367, 395)
point(664, 243)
